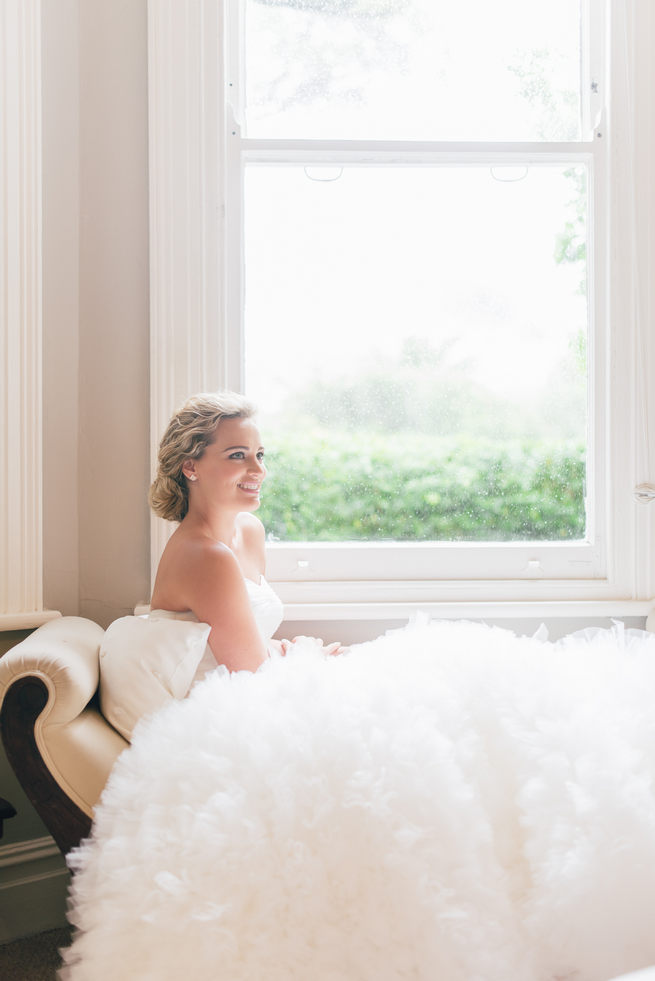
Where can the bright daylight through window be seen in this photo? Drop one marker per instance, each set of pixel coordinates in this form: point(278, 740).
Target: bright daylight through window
point(413, 185)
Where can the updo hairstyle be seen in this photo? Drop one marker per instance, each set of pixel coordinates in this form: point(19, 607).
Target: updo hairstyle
point(191, 430)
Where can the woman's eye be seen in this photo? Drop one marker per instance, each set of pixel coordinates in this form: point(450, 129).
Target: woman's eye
point(260, 455)
point(236, 456)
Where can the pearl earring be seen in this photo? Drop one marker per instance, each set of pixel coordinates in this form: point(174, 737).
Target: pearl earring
point(192, 477)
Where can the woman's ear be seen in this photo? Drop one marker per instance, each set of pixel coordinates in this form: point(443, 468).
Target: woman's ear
point(189, 470)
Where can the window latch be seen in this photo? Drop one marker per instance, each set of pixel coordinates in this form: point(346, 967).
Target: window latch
point(645, 493)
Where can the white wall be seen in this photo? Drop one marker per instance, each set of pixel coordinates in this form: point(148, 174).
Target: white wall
point(95, 311)
point(60, 303)
point(113, 299)
point(113, 308)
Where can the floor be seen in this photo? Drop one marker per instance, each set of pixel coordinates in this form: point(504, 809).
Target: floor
point(33, 958)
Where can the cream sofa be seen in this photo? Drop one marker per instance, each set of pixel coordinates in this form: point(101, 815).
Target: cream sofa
point(58, 743)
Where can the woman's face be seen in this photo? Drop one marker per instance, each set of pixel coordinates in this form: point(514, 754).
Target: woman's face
point(231, 470)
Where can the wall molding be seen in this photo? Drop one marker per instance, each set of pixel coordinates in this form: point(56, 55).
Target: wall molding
point(25, 852)
point(34, 884)
point(21, 578)
point(27, 621)
point(185, 111)
point(639, 129)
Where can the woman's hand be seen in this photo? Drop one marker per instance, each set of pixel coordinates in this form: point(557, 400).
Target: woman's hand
point(279, 646)
point(333, 649)
point(283, 647)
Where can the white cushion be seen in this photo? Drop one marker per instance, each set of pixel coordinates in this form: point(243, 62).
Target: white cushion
point(144, 664)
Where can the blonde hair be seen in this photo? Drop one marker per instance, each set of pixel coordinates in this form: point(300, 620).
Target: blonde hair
point(187, 436)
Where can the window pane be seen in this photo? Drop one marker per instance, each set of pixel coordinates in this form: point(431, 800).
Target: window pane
point(415, 338)
point(413, 69)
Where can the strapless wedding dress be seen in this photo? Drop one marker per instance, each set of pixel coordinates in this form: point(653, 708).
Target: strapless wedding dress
point(449, 800)
point(267, 610)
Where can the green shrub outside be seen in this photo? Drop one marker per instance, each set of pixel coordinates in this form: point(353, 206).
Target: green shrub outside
point(349, 486)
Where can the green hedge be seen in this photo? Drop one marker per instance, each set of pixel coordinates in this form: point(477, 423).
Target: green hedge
point(345, 486)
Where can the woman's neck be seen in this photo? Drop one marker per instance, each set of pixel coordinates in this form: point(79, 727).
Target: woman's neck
point(219, 526)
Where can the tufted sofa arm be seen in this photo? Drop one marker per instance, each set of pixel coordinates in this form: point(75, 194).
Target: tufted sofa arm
point(58, 743)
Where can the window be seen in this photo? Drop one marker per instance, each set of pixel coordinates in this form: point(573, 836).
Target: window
point(426, 241)
point(415, 206)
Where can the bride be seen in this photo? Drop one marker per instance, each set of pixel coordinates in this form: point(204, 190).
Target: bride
point(450, 801)
point(209, 478)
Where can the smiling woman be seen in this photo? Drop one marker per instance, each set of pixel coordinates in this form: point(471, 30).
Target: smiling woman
point(209, 477)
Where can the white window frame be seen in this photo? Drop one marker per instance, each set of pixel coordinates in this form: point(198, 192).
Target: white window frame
point(196, 338)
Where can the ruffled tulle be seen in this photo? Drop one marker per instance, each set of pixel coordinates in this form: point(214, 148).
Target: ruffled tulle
point(449, 802)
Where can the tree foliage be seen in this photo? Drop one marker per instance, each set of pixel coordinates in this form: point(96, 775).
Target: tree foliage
point(402, 487)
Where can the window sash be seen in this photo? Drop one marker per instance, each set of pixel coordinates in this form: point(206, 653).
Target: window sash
point(591, 34)
point(534, 562)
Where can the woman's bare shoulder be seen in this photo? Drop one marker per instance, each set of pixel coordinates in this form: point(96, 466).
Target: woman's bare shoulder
point(191, 547)
point(193, 565)
point(208, 557)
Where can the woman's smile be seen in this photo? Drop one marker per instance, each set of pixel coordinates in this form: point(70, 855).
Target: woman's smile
point(250, 487)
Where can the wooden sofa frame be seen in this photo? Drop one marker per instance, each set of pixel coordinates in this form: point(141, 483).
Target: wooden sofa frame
point(58, 743)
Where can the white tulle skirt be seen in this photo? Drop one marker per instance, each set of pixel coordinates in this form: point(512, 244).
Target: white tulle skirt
point(448, 802)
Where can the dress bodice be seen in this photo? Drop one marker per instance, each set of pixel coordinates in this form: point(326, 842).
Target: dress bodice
point(267, 610)
point(266, 607)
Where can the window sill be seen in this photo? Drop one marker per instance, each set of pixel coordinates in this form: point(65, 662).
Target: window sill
point(476, 610)
point(456, 598)
point(319, 610)
point(27, 621)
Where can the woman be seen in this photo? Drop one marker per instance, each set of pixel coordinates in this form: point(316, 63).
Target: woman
point(209, 478)
point(451, 801)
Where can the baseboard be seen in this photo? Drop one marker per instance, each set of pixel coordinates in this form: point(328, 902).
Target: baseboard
point(33, 888)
